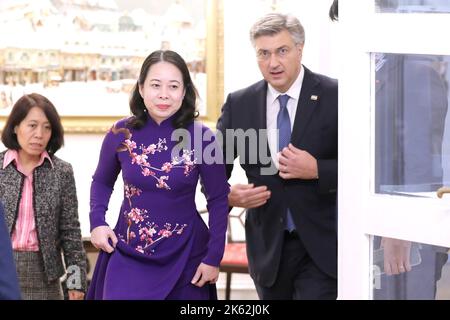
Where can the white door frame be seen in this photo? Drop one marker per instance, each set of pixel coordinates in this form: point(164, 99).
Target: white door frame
point(361, 212)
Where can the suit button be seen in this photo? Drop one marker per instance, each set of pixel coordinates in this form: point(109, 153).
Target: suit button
point(281, 220)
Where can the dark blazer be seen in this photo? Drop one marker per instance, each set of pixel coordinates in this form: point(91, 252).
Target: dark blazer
point(312, 202)
point(9, 284)
point(56, 213)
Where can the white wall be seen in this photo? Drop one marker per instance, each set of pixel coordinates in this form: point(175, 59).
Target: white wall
point(82, 151)
point(320, 52)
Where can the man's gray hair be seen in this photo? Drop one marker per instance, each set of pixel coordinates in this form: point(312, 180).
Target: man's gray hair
point(274, 23)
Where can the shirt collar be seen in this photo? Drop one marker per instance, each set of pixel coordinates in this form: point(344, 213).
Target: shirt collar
point(12, 155)
point(293, 91)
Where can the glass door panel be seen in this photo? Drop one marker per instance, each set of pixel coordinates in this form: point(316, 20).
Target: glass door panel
point(394, 93)
point(411, 104)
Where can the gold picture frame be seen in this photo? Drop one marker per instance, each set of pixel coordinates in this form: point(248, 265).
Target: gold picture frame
point(91, 124)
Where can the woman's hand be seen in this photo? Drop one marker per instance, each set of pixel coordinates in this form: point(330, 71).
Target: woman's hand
point(248, 196)
point(100, 238)
point(205, 274)
point(76, 295)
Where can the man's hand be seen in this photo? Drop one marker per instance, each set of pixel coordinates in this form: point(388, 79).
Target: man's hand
point(248, 196)
point(297, 164)
point(100, 236)
point(396, 255)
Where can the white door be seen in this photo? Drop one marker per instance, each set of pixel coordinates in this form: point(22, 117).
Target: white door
point(394, 147)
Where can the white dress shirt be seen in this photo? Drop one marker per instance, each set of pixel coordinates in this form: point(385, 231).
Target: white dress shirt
point(273, 106)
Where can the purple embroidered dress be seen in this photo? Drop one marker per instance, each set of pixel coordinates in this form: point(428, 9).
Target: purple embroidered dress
point(162, 238)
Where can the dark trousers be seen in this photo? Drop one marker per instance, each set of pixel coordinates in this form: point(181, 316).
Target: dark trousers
point(298, 276)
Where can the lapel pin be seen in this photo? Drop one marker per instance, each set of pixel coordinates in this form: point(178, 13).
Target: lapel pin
point(314, 97)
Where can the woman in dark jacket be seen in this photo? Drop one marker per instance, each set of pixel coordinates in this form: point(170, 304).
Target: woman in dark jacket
point(39, 196)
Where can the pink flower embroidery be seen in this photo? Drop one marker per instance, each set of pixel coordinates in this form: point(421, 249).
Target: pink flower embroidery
point(131, 191)
point(141, 160)
point(136, 215)
point(162, 184)
point(130, 144)
point(165, 233)
point(140, 249)
point(167, 167)
point(147, 172)
point(147, 232)
point(146, 235)
point(185, 162)
point(133, 156)
point(153, 148)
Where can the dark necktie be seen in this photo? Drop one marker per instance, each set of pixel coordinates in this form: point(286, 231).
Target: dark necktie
point(284, 129)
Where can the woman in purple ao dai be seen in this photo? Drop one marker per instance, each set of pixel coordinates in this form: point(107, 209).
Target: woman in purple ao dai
point(160, 247)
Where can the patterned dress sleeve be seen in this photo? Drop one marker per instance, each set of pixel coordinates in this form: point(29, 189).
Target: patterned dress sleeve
point(214, 181)
point(105, 176)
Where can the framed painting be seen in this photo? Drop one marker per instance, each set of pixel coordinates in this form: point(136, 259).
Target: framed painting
point(85, 56)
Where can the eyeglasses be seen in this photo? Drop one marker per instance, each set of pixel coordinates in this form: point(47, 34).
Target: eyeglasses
point(264, 55)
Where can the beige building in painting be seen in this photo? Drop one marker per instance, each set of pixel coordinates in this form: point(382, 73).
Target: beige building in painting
point(81, 40)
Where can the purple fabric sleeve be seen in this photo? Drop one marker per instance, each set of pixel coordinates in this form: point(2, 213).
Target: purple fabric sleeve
point(103, 180)
point(214, 180)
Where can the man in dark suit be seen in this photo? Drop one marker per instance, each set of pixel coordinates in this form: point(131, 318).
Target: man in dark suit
point(291, 219)
point(9, 285)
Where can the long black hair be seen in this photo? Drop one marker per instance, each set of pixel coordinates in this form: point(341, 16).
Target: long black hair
point(187, 113)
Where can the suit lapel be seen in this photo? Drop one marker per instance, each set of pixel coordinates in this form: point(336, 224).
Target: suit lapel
point(261, 105)
point(261, 111)
point(307, 104)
